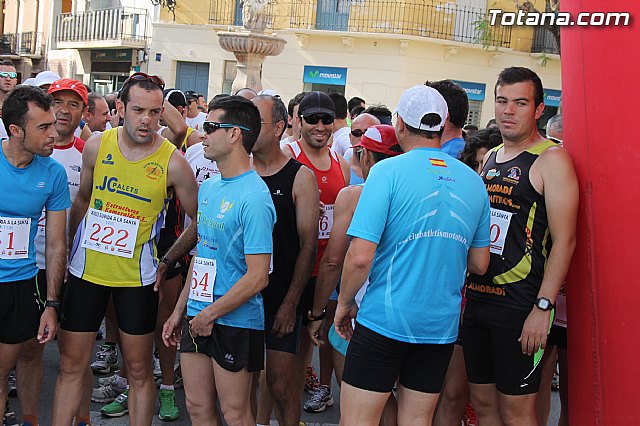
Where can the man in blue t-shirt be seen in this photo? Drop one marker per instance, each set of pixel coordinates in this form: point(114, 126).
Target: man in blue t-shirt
point(29, 182)
point(422, 221)
point(452, 142)
point(225, 314)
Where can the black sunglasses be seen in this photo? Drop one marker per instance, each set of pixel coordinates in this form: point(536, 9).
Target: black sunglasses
point(357, 132)
point(211, 126)
point(140, 76)
point(314, 118)
point(8, 74)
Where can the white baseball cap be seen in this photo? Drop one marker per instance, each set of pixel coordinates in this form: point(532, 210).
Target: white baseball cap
point(419, 101)
point(45, 77)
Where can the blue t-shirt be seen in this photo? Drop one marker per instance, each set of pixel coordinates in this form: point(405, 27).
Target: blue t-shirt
point(235, 218)
point(425, 210)
point(25, 192)
point(453, 147)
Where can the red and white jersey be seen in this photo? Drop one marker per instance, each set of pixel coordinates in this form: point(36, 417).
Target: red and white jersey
point(70, 156)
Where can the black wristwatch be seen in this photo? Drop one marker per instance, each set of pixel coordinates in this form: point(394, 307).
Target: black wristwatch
point(167, 262)
point(311, 317)
point(544, 304)
point(55, 304)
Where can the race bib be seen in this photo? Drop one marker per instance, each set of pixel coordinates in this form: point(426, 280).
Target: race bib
point(326, 222)
point(203, 279)
point(110, 233)
point(42, 224)
point(14, 237)
point(500, 221)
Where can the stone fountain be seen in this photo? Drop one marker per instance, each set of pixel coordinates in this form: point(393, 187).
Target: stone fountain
point(251, 45)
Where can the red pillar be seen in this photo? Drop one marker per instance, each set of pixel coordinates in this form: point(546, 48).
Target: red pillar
point(601, 114)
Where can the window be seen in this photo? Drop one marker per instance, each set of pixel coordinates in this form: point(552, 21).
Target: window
point(475, 111)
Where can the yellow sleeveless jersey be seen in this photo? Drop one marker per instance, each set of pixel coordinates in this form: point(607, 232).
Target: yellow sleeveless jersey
point(115, 243)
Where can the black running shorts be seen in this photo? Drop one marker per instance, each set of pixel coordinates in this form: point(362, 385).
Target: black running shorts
point(288, 343)
point(85, 303)
point(374, 362)
point(21, 304)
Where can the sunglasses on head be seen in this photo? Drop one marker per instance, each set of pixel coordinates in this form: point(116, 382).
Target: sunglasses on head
point(140, 76)
point(358, 133)
point(8, 74)
point(211, 126)
point(314, 118)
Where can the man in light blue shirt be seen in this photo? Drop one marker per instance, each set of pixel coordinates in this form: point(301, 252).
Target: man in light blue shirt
point(452, 142)
point(422, 221)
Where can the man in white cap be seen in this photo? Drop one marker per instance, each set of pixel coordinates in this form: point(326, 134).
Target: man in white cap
point(45, 79)
point(422, 221)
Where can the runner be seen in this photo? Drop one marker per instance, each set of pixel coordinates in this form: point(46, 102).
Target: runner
point(316, 114)
point(42, 183)
point(8, 80)
point(421, 222)
point(534, 200)
point(97, 114)
point(458, 104)
point(223, 335)
point(127, 174)
point(294, 192)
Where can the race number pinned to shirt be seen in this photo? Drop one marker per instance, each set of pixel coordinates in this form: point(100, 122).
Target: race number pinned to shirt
point(500, 221)
point(42, 224)
point(14, 237)
point(326, 223)
point(110, 233)
point(203, 279)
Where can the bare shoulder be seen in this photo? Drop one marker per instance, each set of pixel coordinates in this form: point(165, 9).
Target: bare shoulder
point(348, 197)
point(305, 184)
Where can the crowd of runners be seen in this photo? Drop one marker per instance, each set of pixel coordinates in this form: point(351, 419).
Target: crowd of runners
point(425, 259)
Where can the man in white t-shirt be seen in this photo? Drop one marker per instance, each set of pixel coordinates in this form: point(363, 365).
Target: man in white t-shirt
point(341, 130)
point(195, 117)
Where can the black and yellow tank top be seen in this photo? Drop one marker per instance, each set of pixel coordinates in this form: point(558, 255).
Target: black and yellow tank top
point(520, 240)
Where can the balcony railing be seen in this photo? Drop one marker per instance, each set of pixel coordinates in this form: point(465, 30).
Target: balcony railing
point(119, 25)
point(8, 44)
point(30, 43)
point(544, 41)
point(425, 18)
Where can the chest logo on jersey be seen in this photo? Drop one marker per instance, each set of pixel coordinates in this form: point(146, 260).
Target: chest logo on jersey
point(109, 160)
point(513, 175)
point(493, 173)
point(324, 179)
point(225, 206)
point(153, 170)
point(278, 193)
point(111, 184)
point(40, 184)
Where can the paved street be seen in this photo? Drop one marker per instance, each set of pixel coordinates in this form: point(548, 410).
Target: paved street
point(329, 417)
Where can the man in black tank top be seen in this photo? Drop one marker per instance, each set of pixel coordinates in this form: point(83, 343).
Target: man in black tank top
point(533, 192)
point(295, 196)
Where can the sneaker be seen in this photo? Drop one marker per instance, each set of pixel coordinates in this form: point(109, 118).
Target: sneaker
point(9, 417)
point(107, 393)
point(13, 390)
point(320, 400)
point(102, 381)
point(117, 408)
point(157, 371)
point(168, 409)
point(106, 360)
point(311, 381)
point(470, 416)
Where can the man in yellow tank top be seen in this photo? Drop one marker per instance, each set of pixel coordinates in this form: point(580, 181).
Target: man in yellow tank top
point(128, 173)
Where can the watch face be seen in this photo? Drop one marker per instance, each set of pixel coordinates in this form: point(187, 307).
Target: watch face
point(543, 304)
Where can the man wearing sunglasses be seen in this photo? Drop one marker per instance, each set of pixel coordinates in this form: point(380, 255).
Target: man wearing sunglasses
point(8, 80)
point(359, 126)
point(127, 174)
point(316, 114)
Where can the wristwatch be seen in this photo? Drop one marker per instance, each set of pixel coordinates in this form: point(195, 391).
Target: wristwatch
point(55, 304)
point(169, 263)
point(312, 317)
point(544, 304)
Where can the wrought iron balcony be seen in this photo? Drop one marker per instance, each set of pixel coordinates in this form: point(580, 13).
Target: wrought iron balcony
point(8, 44)
point(544, 42)
point(30, 43)
point(423, 18)
point(116, 27)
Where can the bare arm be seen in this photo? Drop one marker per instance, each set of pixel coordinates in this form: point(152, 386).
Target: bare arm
point(175, 123)
point(81, 202)
point(346, 170)
point(195, 137)
point(554, 172)
point(478, 260)
point(85, 133)
point(254, 280)
point(306, 198)
point(183, 181)
point(171, 330)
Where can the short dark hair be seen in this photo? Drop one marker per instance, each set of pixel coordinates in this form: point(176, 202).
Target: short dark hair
point(340, 102)
point(92, 101)
point(485, 138)
point(278, 110)
point(242, 112)
point(356, 111)
point(295, 101)
point(354, 102)
point(431, 119)
point(16, 105)
point(513, 75)
point(111, 99)
point(379, 156)
point(490, 123)
point(219, 96)
point(145, 84)
point(381, 112)
point(456, 98)
point(7, 63)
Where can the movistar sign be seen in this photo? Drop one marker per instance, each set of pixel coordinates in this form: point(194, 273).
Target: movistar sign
point(552, 97)
point(475, 91)
point(325, 75)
